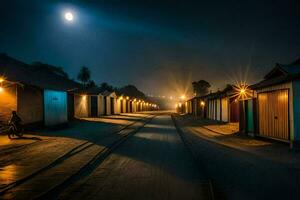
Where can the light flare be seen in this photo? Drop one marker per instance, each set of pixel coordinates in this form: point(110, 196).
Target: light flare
point(241, 91)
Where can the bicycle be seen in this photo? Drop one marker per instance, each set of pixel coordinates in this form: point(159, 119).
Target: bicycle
point(11, 130)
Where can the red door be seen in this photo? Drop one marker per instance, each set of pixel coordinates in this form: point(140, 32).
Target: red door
point(234, 111)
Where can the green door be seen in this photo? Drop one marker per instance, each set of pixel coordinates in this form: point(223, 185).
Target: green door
point(249, 115)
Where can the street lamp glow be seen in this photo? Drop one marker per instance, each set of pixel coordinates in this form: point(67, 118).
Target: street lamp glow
point(69, 16)
point(1, 89)
point(1, 79)
point(182, 97)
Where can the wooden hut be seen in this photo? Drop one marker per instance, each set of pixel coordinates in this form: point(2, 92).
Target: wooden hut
point(38, 94)
point(110, 102)
point(276, 108)
point(197, 106)
point(89, 102)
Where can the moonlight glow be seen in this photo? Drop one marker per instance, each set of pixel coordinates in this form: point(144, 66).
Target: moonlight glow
point(69, 16)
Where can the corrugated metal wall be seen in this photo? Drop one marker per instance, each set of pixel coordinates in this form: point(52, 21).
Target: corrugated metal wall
point(55, 107)
point(218, 109)
point(30, 104)
point(225, 112)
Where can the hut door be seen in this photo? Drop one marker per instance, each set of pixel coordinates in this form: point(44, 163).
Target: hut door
point(234, 111)
point(112, 105)
point(94, 106)
point(105, 105)
point(130, 104)
point(273, 114)
point(250, 115)
point(55, 107)
point(127, 106)
point(121, 105)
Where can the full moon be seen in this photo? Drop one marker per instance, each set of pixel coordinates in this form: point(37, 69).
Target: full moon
point(69, 16)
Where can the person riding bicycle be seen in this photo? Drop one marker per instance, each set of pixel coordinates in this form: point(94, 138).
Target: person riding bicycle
point(16, 121)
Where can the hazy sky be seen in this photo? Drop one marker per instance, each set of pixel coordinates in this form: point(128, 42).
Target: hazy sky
point(159, 46)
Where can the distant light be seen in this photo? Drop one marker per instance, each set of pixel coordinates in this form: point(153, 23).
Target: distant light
point(1, 89)
point(202, 103)
point(182, 97)
point(69, 16)
point(1, 79)
point(127, 98)
point(243, 91)
point(83, 97)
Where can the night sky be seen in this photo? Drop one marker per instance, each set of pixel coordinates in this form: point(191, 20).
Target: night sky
point(159, 46)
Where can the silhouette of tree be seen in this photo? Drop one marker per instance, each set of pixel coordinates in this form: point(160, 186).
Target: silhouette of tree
point(132, 91)
point(91, 84)
point(55, 69)
point(84, 75)
point(201, 87)
point(106, 86)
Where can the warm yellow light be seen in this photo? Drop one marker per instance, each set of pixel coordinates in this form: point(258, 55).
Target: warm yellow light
point(179, 105)
point(83, 97)
point(121, 97)
point(127, 98)
point(182, 97)
point(202, 103)
point(241, 91)
point(1, 89)
point(1, 79)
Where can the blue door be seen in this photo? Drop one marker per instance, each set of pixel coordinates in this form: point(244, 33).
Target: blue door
point(55, 107)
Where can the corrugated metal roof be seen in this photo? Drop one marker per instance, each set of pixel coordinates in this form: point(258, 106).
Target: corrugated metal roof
point(280, 74)
point(291, 69)
point(20, 72)
point(107, 93)
point(89, 91)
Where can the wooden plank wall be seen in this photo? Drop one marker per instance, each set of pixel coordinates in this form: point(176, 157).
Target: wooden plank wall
point(273, 108)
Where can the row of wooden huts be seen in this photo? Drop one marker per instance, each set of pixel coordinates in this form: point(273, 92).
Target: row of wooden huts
point(268, 108)
point(42, 96)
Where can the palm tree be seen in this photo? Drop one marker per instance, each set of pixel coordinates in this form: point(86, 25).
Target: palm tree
point(84, 75)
